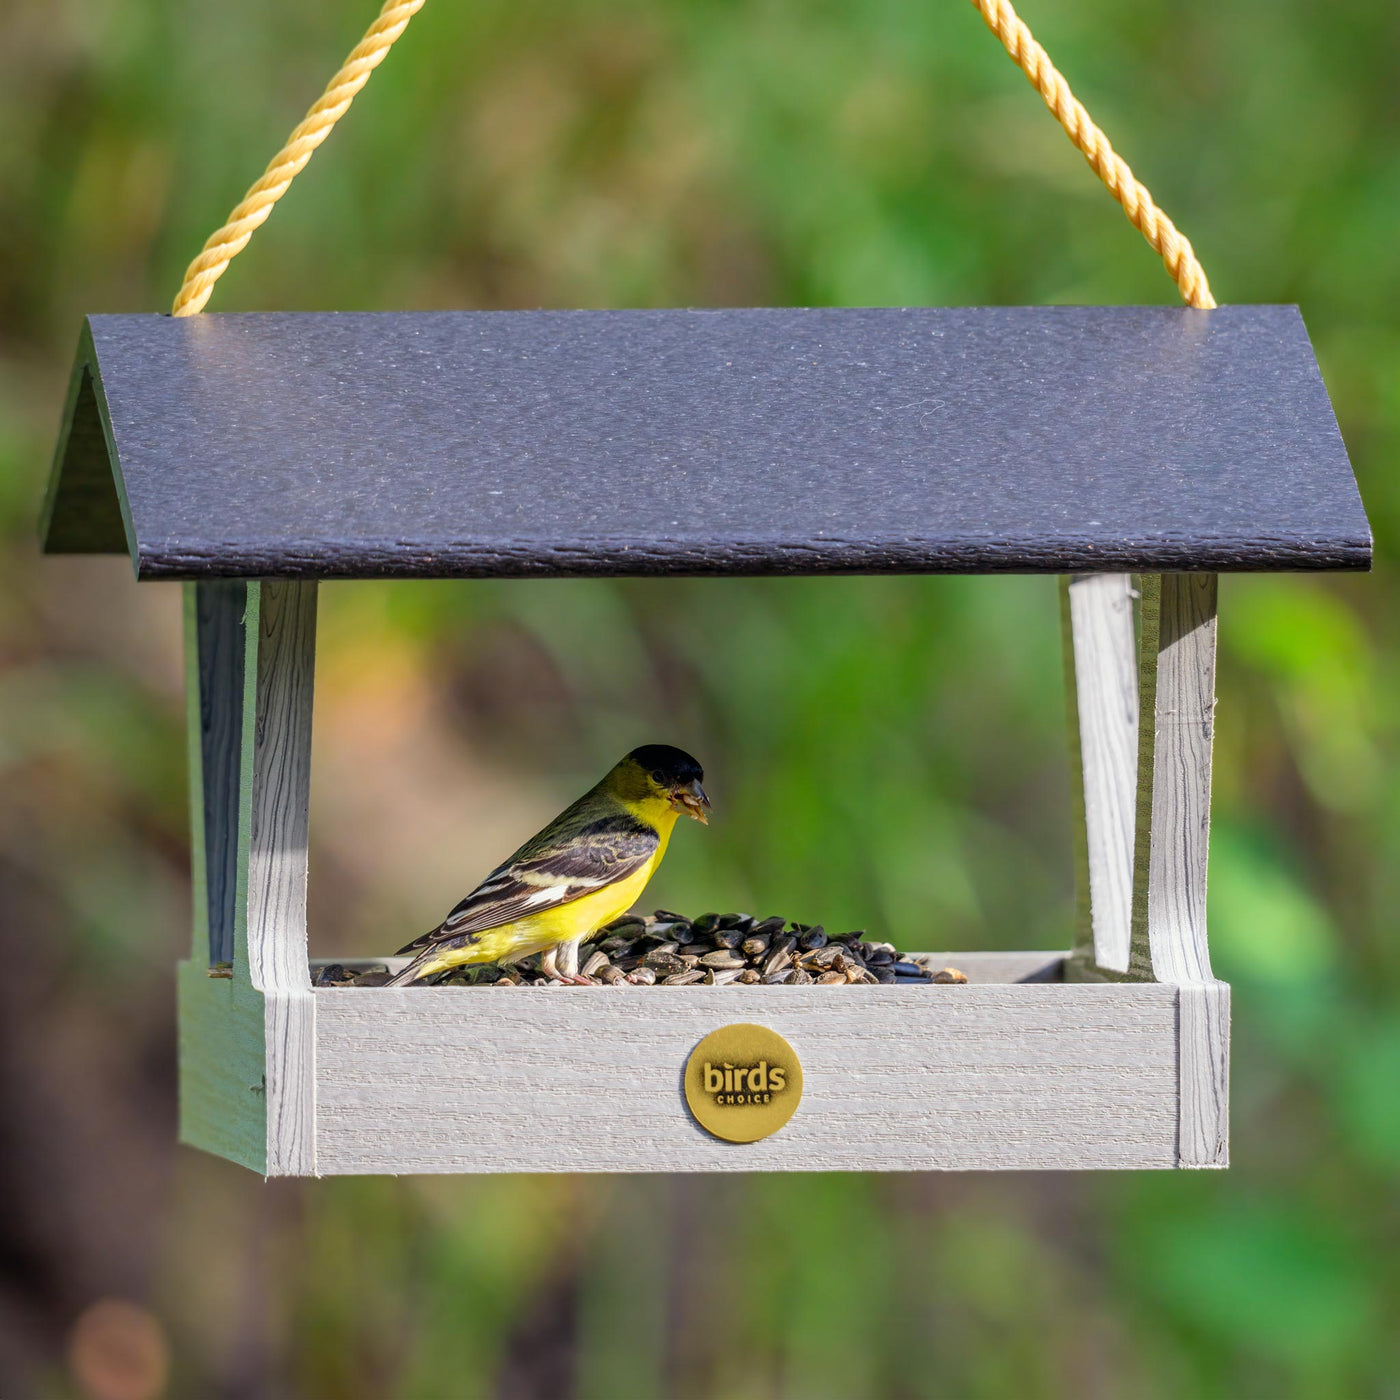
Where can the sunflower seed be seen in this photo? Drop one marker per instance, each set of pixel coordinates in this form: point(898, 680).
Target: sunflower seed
point(610, 976)
point(706, 923)
point(774, 979)
point(813, 937)
point(950, 974)
point(725, 976)
point(749, 975)
point(800, 978)
point(755, 946)
point(780, 953)
point(830, 979)
point(642, 977)
point(886, 976)
point(595, 964)
point(777, 963)
point(771, 926)
point(663, 961)
point(723, 957)
point(683, 979)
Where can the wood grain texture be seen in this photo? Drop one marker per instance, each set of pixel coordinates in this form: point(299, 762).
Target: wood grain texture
point(1204, 1036)
point(1176, 676)
point(276, 791)
point(1106, 702)
point(1002, 439)
point(1172, 836)
point(584, 1079)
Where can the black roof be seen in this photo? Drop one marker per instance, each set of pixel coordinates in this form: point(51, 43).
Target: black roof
point(452, 444)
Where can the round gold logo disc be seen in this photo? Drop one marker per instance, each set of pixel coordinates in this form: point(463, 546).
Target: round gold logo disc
point(743, 1082)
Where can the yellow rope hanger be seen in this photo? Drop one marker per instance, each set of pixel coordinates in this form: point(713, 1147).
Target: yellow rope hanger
point(226, 242)
point(1144, 215)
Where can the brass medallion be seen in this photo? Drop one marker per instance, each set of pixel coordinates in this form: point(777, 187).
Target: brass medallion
point(743, 1082)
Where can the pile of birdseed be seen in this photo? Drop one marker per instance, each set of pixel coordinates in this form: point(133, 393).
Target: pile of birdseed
point(668, 950)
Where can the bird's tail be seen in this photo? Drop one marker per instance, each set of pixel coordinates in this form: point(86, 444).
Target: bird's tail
point(421, 966)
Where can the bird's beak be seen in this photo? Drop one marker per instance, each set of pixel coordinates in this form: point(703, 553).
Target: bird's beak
point(691, 800)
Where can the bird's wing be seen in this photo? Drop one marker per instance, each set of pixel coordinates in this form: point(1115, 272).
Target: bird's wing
point(545, 875)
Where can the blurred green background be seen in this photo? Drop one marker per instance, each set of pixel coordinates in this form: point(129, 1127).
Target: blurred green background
point(885, 753)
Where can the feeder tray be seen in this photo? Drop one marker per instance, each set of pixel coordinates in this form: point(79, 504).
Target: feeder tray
point(253, 455)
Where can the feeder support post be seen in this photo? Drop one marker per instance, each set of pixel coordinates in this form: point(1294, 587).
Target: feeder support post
point(273, 828)
point(247, 1011)
point(1142, 718)
point(1101, 673)
point(1176, 687)
point(216, 646)
point(1176, 682)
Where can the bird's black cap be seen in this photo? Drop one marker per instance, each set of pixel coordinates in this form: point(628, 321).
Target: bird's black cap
point(667, 764)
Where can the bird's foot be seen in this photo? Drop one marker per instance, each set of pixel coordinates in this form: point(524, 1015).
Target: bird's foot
point(574, 979)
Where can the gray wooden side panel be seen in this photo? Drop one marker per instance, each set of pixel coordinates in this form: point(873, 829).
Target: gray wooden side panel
point(1105, 687)
point(223, 1092)
point(276, 798)
point(974, 1077)
point(85, 506)
point(221, 1034)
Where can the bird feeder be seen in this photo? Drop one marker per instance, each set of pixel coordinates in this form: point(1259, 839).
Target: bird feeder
point(1136, 452)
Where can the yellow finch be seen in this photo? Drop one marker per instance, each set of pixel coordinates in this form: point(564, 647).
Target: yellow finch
point(585, 868)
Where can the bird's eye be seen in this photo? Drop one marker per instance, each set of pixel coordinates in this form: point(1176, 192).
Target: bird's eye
point(658, 780)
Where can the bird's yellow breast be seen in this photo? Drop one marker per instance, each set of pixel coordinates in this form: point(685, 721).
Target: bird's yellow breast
point(576, 919)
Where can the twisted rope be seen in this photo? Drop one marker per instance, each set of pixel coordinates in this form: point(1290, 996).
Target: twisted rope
point(1174, 247)
point(226, 242)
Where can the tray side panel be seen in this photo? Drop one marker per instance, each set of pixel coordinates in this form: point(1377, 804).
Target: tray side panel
point(958, 1078)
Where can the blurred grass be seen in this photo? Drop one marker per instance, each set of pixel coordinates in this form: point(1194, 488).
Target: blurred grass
point(884, 752)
